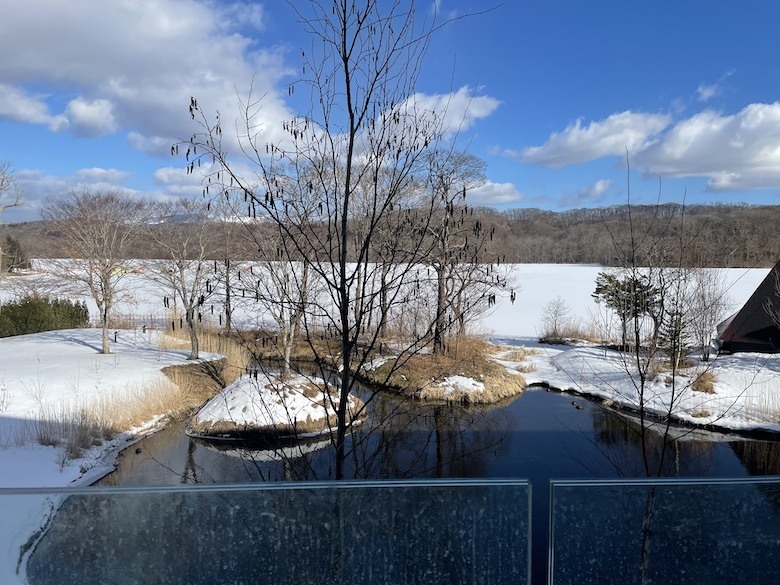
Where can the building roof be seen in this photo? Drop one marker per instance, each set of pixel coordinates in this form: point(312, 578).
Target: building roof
point(753, 324)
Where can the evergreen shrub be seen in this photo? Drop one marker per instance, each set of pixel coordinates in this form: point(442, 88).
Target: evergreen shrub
point(34, 313)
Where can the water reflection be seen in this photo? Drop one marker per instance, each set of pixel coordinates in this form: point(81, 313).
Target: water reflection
point(673, 451)
point(400, 439)
point(758, 457)
point(539, 435)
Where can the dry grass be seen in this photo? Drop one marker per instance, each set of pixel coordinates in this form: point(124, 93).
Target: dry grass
point(421, 375)
point(265, 346)
point(518, 354)
point(498, 386)
point(704, 382)
point(572, 331)
point(703, 413)
point(78, 427)
point(237, 354)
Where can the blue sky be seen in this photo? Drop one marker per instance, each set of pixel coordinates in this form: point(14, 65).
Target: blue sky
point(96, 91)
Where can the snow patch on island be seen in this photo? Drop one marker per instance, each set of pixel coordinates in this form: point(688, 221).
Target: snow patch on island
point(297, 407)
point(452, 384)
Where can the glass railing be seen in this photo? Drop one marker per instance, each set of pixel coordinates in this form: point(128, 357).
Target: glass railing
point(449, 532)
point(665, 531)
point(345, 532)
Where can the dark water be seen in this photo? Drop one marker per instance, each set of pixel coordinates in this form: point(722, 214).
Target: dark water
point(540, 436)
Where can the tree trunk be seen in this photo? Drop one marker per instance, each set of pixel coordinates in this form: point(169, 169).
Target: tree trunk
point(194, 342)
point(302, 299)
point(461, 315)
point(288, 339)
point(383, 303)
point(103, 308)
point(438, 329)
point(228, 301)
point(105, 347)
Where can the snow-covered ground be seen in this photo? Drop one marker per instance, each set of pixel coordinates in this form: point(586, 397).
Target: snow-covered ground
point(46, 374)
point(534, 284)
point(746, 390)
point(63, 369)
point(264, 402)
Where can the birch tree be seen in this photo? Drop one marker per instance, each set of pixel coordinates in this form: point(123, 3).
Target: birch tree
point(466, 281)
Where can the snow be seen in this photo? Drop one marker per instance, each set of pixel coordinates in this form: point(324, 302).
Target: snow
point(534, 284)
point(53, 372)
point(265, 402)
point(61, 370)
point(537, 284)
point(746, 391)
point(452, 384)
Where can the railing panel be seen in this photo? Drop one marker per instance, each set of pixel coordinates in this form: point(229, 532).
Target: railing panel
point(378, 532)
point(694, 532)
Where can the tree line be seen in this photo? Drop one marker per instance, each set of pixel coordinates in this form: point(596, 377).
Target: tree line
point(716, 235)
point(727, 236)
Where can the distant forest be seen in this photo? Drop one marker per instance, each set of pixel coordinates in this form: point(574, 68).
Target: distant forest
point(705, 235)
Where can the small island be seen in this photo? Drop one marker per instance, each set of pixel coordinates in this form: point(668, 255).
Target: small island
point(265, 407)
point(470, 374)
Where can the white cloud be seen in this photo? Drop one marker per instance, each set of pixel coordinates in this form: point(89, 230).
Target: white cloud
point(455, 111)
point(437, 9)
point(104, 176)
point(91, 118)
point(37, 187)
point(734, 152)
point(590, 194)
point(176, 181)
point(608, 137)
point(706, 92)
point(19, 106)
point(155, 145)
point(249, 14)
point(494, 194)
point(134, 65)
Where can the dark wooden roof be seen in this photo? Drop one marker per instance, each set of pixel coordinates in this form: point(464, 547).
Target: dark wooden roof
point(752, 324)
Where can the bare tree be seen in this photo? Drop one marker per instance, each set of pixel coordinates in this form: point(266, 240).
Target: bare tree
point(354, 154)
point(184, 229)
point(10, 196)
point(458, 241)
point(98, 228)
point(709, 304)
point(555, 318)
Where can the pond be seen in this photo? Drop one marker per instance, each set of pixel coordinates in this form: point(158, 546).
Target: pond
point(540, 435)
